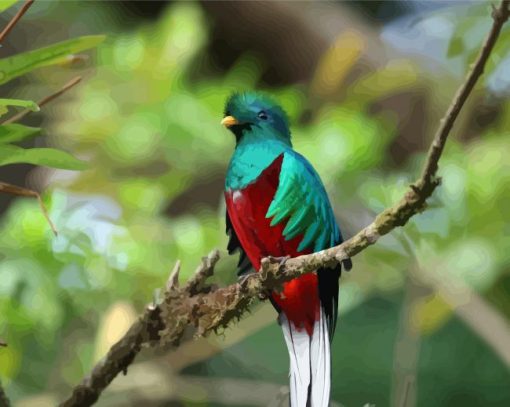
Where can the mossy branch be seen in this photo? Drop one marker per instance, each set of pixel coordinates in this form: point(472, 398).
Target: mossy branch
point(202, 309)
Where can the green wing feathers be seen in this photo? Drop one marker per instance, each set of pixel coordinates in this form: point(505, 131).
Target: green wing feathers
point(302, 202)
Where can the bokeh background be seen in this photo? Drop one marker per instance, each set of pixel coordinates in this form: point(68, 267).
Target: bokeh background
point(424, 314)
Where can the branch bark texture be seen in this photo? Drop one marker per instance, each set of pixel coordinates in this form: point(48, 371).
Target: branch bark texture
point(203, 308)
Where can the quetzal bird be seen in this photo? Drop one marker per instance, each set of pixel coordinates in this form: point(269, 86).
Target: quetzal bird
point(277, 206)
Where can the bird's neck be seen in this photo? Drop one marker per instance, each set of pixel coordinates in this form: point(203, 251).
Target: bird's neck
point(250, 158)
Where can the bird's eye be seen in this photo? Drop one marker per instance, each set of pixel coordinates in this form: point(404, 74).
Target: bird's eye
point(262, 115)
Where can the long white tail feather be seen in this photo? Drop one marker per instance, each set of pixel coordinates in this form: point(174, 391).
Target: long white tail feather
point(310, 364)
point(298, 345)
point(320, 362)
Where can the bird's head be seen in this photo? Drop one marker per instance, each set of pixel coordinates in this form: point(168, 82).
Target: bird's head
point(254, 115)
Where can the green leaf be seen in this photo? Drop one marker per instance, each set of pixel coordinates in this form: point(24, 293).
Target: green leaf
point(456, 47)
point(20, 64)
point(10, 133)
point(22, 103)
point(48, 157)
point(5, 4)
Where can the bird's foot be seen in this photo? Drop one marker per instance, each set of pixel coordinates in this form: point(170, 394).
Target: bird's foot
point(245, 276)
point(280, 260)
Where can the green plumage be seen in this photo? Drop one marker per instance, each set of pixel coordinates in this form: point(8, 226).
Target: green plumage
point(301, 200)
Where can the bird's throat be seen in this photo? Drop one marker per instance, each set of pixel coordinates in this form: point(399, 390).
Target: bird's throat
point(249, 160)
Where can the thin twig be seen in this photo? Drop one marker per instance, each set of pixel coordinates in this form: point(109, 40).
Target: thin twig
point(20, 191)
point(206, 269)
point(500, 16)
point(45, 100)
point(173, 281)
point(14, 20)
point(15, 190)
point(210, 311)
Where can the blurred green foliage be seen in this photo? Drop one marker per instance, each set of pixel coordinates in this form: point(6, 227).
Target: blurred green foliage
point(152, 194)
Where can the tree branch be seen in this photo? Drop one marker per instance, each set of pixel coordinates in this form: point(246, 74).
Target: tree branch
point(118, 358)
point(205, 309)
point(15, 20)
point(45, 100)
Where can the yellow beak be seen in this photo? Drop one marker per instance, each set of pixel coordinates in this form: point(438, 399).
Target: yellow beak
point(229, 121)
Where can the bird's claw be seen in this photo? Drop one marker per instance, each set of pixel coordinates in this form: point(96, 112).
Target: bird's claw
point(242, 278)
point(280, 260)
point(263, 296)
